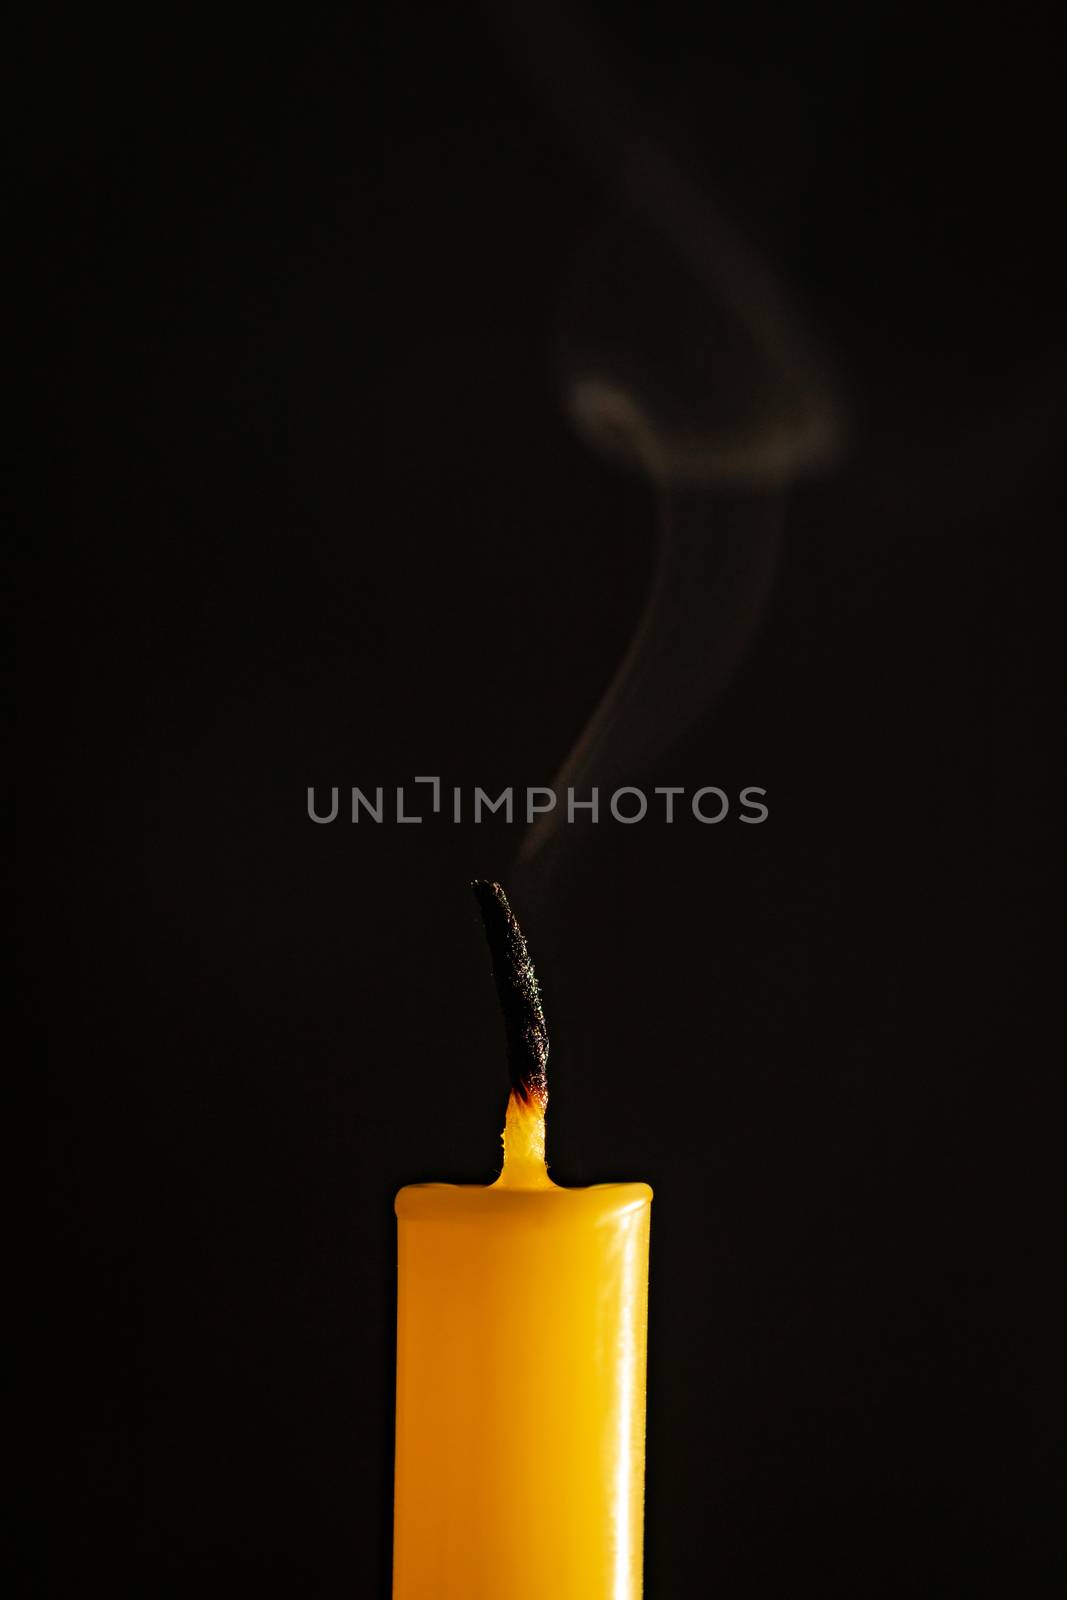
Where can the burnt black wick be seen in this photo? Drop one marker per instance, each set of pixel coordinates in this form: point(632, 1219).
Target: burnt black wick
point(520, 997)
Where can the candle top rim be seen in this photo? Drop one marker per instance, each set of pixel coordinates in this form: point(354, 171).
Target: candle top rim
point(438, 1201)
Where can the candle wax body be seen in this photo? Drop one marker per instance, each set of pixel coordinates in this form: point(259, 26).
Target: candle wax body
point(521, 1337)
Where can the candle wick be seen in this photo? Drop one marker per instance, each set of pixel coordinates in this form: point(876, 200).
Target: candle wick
point(519, 995)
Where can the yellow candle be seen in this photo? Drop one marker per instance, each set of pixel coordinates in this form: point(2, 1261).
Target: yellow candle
point(521, 1335)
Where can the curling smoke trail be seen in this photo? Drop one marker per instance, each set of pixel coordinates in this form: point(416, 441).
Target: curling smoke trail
point(681, 358)
point(680, 361)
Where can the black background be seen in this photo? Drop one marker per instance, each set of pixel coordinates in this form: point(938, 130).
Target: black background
point(824, 1041)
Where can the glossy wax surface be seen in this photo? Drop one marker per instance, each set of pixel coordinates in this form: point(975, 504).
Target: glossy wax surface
point(521, 1337)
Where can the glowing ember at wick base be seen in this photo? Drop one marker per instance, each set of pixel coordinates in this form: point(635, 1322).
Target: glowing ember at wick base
point(524, 1148)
